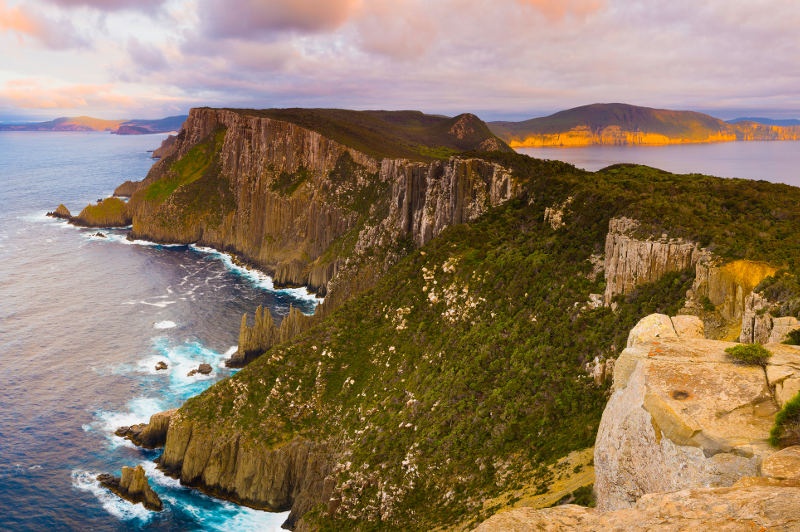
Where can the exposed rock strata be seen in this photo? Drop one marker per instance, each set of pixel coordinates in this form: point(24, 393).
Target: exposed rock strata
point(760, 326)
point(224, 463)
point(631, 261)
point(682, 415)
point(288, 235)
point(133, 486)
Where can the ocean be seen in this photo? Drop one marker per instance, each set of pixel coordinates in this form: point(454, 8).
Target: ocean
point(85, 318)
point(83, 321)
point(778, 162)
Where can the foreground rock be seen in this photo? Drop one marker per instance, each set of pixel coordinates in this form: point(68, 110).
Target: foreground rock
point(148, 435)
point(60, 212)
point(742, 507)
point(682, 444)
point(132, 486)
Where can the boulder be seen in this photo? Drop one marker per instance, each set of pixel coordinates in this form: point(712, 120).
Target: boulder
point(132, 486)
point(160, 365)
point(203, 369)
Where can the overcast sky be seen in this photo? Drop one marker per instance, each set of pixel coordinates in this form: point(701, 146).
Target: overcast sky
point(498, 58)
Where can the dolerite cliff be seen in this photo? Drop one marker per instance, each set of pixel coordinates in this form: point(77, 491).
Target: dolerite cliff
point(294, 201)
point(682, 444)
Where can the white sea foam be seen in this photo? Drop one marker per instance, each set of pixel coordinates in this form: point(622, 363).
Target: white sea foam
point(166, 324)
point(119, 508)
point(256, 277)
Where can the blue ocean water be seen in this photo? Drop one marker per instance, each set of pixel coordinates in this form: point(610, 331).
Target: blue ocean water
point(778, 162)
point(83, 321)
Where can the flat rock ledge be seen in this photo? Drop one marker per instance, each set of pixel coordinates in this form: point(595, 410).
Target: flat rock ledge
point(132, 486)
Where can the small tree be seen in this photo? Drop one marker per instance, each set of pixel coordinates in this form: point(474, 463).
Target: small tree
point(786, 430)
point(749, 354)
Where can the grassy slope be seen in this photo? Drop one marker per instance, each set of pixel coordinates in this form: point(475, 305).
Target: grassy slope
point(394, 134)
point(683, 124)
point(445, 400)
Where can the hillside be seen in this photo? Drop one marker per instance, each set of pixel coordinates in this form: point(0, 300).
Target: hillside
point(623, 124)
point(87, 123)
point(474, 306)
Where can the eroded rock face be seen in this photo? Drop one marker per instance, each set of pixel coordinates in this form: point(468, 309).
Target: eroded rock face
point(631, 261)
point(221, 462)
point(683, 415)
point(768, 506)
point(758, 324)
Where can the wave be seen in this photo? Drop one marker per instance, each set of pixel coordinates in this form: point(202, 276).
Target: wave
point(256, 277)
point(166, 324)
point(119, 508)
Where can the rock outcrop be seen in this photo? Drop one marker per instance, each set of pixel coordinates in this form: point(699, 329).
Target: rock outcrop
point(631, 261)
point(263, 334)
point(60, 212)
point(760, 326)
point(148, 435)
point(108, 212)
point(682, 415)
point(288, 477)
point(745, 506)
point(133, 486)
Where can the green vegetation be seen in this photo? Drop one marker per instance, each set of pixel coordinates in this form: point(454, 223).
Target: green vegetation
point(195, 164)
point(786, 431)
point(397, 134)
point(793, 337)
point(286, 183)
point(783, 290)
point(749, 354)
point(110, 212)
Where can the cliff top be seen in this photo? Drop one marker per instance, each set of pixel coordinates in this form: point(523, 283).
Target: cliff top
point(395, 134)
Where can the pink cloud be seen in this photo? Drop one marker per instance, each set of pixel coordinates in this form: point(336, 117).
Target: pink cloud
point(30, 94)
point(50, 33)
point(557, 10)
point(110, 5)
point(255, 18)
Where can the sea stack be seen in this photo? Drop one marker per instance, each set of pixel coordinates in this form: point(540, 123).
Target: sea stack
point(132, 486)
point(60, 212)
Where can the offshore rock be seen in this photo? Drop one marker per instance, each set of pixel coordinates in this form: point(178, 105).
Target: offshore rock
point(109, 212)
point(203, 369)
point(245, 470)
point(133, 486)
point(682, 415)
point(60, 212)
point(631, 261)
point(148, 435)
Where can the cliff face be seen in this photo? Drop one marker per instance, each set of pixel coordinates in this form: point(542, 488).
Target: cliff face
point(282, 196)
point(244, 470)
point(631, 261)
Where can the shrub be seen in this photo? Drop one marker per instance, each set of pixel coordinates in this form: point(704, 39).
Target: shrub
point(786, 430)
point(793, 338)
point(749, 354)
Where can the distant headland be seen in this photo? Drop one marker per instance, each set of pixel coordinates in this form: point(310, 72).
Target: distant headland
point(87, 123)
point(623, 124)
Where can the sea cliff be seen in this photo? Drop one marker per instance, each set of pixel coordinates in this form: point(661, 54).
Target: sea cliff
point(475, 304)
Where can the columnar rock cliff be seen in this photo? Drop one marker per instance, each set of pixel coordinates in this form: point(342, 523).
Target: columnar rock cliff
point(631, 261)
point(280, 195)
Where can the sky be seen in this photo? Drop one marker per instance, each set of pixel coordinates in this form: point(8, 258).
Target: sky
point(500, 59)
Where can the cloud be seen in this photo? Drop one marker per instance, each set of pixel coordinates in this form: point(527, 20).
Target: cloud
point(31, 94)
point(55, 34)
point(110, 5)
point(558, 10)
point(257, 19)
point(145, 56)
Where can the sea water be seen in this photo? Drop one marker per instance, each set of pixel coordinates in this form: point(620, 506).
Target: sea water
point(84, 318)
point(776, 161)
